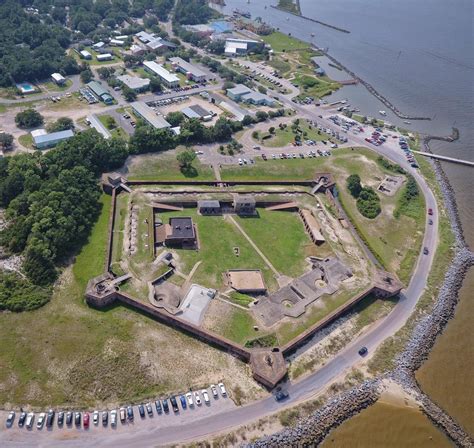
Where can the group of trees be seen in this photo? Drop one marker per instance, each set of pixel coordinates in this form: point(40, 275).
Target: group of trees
point(28, 118)
point(192, 12)
point(31, 49)
point(51, 199)
point(368, 202)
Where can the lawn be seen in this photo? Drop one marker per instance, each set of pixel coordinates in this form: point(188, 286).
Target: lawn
point(69, 355)
point(111, 124)
point(26, 140)
point(314, 86)
point(217, 238)
point(166, 167)
point(281, 42)
point(94, 61)
point(281, 237)
point(51, 86)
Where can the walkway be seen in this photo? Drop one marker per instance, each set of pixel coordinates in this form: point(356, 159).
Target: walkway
point(445, 158)
point(259, 252)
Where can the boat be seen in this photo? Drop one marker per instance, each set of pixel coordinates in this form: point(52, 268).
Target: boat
point(383, 113)
point(407, 122)
point(312, 34)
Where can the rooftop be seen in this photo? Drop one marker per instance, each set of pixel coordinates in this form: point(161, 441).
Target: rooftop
point(239, 89)
point(196, 71)
point(181, 228)
point(256, 96)
point(161, 71)
point(148, 114)
point(134, 82)
point(60, 135)
point(195, 111)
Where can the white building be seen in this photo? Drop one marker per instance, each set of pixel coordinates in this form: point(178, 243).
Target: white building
point(134, 82)
point(191, 71)
point(117, 42)
point(58, 79)
point(145, 112)
point(236, 47)
point(168, 79)
point(104, 57)
point(85, 54)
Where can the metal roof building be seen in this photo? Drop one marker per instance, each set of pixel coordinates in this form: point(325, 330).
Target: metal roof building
point(148, 114)
point(134, 82)
point(169, 79)
point(196, 111)
point(98, 126)
point(49, 140)
point(100, 92)
point(190, 70)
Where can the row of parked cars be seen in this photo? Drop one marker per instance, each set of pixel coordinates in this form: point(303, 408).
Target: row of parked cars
point(181, 89)
point(168, 101)
point(124, 414)
point(301, 155)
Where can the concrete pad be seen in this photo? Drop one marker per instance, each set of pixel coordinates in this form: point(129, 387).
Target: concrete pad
point(194, 305)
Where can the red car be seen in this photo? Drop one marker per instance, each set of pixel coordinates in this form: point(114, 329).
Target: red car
point(86, 420)
point(430, 211)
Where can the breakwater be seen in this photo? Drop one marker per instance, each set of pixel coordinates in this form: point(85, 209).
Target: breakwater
point(328, 25)
point(370, 88)
point(312, 430)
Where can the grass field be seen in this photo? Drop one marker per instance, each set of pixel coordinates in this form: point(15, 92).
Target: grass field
point(26, 140)
point(165, 167)
point(67, 354)
point(282, 239)
point(114, 128)
point(281, 42)
point(313, 86)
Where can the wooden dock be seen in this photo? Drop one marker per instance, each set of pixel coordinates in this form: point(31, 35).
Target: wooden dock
point(445, 158)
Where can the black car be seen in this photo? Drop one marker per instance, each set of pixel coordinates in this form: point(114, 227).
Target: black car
point(50, 418)
point(174, 403)
point(77, 418)
point(69, 418)
point(158, 406)
point(105, 418)
point(426, 251)
point(141, 410)
point(61, 418)
point(130, 413)
point(166, 408)
point(281, 395)
point(21, 420)
point(363, 351)
point(430, 222)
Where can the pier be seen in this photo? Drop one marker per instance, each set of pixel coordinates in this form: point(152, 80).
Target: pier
point(445, 158)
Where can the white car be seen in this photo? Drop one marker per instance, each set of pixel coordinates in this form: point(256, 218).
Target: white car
point(40, 422)
point(241, 162)
point(189, 397)
point(95, 417)
point(30, 418)
point(197, 398)
point(214, 391)
point(113, 417)
point(274, 156)
point(222, 388)
point(205, 395)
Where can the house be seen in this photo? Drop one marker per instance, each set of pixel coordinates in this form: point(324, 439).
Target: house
point(244, 205)
point(100, 92)
point(236, 93)
point(170, 80)
point(209, 207)
point(144, 37)
point(191, 71)
point(117, 42)
point(159, 45)
point(58, 79)
point(197, 111)
point(134, 82)
point(236, 47)
point(95, 123)
point(104, 57)
point(85, 54)
point(137, 50)
point(180, 232)
point(145, 112)
point(258, 99)
point(45, 141)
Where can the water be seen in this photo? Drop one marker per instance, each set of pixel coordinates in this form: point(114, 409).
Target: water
point(419, 55)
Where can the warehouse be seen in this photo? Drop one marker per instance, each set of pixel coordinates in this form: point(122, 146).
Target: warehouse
point(145, 112)
point(134, 82)
point(100, 92)
point(191, 71)
point(168, 79)
point(44, 141)
point(196, 111)
point(58, 79)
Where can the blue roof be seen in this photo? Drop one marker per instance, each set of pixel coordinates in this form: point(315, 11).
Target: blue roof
point(221, 26)
point(61, 135)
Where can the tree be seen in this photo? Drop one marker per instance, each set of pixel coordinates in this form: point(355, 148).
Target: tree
point(110, 122)
point(175, 118)
point(222, 130)
point(353, 185)
point(186, 158)
point(228, 85)
point(262, 89)
point(61, 124)
point(271, 130)
point(247, 120)
point(105, 72)
point(6, 140)
point(29, 118)
point(261, 115)
point(86, 76)
point(129, 94)
point(216, 46)
point(255, 135)
point(155, 85)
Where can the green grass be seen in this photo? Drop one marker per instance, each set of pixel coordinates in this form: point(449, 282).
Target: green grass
point(94, 61)
point(51, 86)
point(117, 247)
point(289, 5)
point(281, 42)
point(314, 87)
point(166, 167)
point(116, 130)
point(281, 237)
point(239, 327)
point(26, 140)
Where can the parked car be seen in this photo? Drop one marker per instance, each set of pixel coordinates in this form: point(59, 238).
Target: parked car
point(214, 391)
point(77, 418)
point(69, 416)
point(123, 415)
point(60, 418)
point(205, 395)
point(40, 422)
point(281, 394)
point(426, 251)
point(30, 419)
point(222, 388)
point(95, 417)
point(189, 397)
point(166, 407)
point(130, 415)
point(113, 417)
point(21, 419)
point(86, 420)
point(174, 403)
point(105, 417)
point(149, 409)
point(10, 419)
point(430, 222)
point(197, 398)
point(430, 211)
point(363, 351)
point(50, 419)
point(158, 407)
point(182, 398)
point(141, 410)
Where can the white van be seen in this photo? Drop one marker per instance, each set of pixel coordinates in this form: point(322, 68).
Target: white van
point(30, 418)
